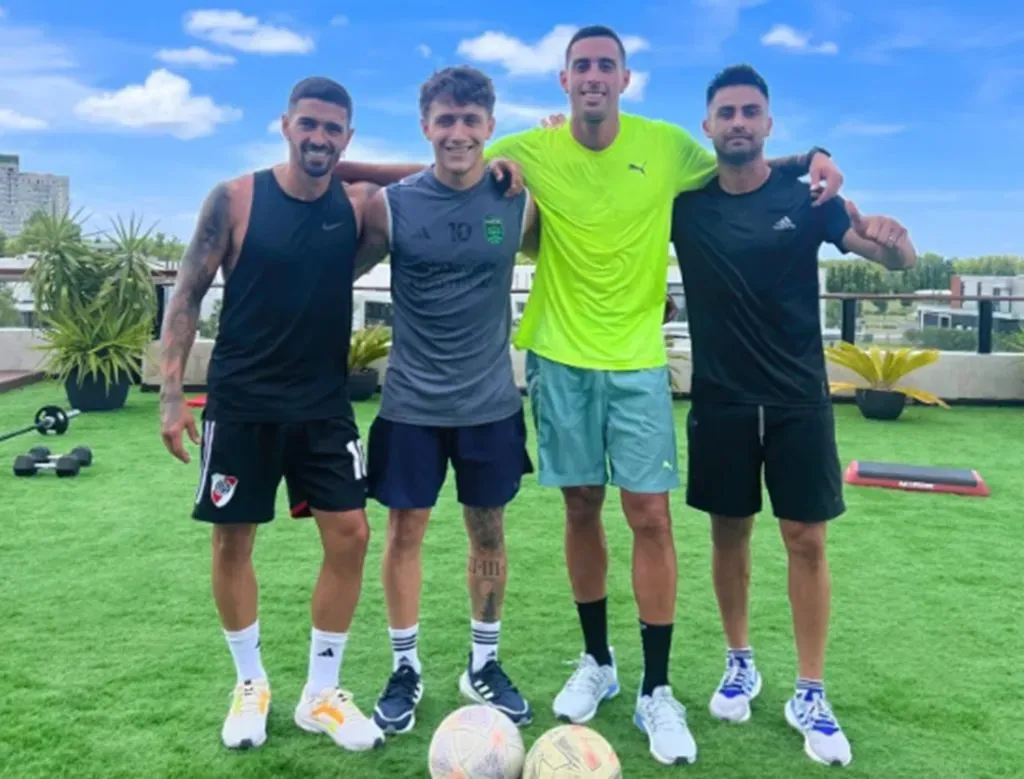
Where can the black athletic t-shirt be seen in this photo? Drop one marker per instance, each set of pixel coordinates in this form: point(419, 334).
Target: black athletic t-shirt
point(750, 272)
point(281, 353)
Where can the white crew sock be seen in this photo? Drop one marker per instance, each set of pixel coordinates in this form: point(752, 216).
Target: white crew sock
point(485, 643)
point(325, 653)
point(403, 644)
point(245, 650)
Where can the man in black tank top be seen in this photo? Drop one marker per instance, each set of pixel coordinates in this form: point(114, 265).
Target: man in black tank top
point(284, 240)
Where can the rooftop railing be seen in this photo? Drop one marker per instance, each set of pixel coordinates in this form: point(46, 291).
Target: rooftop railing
point(848, 302)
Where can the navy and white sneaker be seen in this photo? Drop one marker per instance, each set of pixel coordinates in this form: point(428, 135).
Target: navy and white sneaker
point(490, 686)
point(740, 684)
point(395, 711)
point(808, 712)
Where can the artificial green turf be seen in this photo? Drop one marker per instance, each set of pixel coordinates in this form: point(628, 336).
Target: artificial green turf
point(112, 663)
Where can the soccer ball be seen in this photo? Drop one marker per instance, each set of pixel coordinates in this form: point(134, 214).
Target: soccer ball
point(572, 752)
point(476, 742)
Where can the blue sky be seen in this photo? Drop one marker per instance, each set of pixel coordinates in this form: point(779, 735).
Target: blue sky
point(147, 105)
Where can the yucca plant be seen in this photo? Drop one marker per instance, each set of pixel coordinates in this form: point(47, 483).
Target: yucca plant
point(883, 371)
point(368, 346)
point(95, 342)
point(95, 306)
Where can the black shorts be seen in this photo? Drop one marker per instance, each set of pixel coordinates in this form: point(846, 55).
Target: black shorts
point(408, 463)
point(242, 465)
point(729, 444)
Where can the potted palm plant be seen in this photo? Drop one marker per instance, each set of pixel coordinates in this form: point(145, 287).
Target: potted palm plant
point(881, 396)
point(95, 305)
point(367, 346)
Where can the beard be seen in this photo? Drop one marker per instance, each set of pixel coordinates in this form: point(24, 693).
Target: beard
point(741, 155)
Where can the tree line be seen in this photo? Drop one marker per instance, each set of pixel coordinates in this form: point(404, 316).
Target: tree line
point(164, 249)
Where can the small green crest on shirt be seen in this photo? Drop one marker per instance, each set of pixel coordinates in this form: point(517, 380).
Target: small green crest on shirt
point(494, 230)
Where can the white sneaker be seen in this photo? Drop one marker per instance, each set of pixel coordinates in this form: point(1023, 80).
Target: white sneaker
point(740, 684)
point(333, 712)
point(245, 727)
point(663, 719)
point(809, 713)
point(588, 687)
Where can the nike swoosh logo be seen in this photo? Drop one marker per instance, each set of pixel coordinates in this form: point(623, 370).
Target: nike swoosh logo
point(333, 226)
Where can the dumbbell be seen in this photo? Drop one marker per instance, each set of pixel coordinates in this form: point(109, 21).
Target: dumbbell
point(41, 454)
point(65, 466)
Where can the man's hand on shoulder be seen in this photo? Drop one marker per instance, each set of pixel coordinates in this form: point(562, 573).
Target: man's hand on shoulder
point(826, 178)
point(508, 174)
point(553, 122)
point(879, 238)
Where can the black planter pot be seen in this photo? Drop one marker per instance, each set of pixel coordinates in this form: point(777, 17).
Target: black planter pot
point(94, 395)
point(362, 384)
point(881, 404)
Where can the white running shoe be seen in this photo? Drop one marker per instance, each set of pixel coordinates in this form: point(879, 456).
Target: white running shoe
point(332, 711)
point(808, 712)
point(589, 686)
point(663, 719)
point(740, 684)
point(245, 727)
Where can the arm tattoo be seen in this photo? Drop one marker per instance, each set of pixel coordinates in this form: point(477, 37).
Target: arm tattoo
point(196, 273)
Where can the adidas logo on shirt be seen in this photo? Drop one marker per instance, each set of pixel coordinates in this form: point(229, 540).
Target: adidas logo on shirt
point(784, 224)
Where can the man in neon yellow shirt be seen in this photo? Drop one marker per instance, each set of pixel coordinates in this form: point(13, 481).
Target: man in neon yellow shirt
point(597, 370)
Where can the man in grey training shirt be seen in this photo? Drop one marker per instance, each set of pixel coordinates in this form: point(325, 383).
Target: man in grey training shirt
point(449, 394)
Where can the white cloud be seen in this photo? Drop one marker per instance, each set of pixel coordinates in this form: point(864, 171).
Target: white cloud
point(262, 154)
point(519, 58)
point(637, 84)
point(12, 120)
point(874, 129)
point(785, 37)
point(509, 115)
point(246, 33)
point(37, 76)
point(339, 20)
point(423, 49)
point(195, 56)
point(164, 103)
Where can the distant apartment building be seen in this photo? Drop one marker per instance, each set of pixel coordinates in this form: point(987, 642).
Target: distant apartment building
point(962, 314)
point(22, 194)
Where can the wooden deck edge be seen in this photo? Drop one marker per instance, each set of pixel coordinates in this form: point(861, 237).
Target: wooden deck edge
point(16, 380)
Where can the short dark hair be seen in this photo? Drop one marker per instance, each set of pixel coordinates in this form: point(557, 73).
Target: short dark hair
point(596, 31)
point(461, 85)
point(737, 76)
point(321, 88)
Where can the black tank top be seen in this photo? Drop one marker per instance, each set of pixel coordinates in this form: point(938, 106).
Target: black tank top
point(281, 353)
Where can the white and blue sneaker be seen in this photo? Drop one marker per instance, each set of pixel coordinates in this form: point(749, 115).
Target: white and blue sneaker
point(491, 686)
point(809, 713)
point(589, 686)
point(395, 711)
point(663, 719)
point(740, 684)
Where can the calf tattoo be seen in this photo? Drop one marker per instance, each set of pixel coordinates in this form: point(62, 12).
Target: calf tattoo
point(487, 564)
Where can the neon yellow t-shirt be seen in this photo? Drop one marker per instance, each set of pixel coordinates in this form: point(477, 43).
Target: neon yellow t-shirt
point(598, 295)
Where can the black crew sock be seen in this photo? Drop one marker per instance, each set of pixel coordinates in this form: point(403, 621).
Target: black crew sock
point(657, 641)
point(594, 621)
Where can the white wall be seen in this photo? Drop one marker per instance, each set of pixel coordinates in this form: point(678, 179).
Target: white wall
point(956, 376)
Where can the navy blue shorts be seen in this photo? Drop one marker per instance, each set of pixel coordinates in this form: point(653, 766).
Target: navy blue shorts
point(407, 464)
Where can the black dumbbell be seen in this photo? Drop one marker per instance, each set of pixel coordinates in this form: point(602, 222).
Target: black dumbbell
point(65, 466)
point(41, 454)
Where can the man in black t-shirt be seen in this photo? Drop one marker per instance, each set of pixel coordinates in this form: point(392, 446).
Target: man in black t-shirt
point(748, 246)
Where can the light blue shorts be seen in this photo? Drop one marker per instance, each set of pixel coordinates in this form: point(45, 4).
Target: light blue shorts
point(596, 426)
